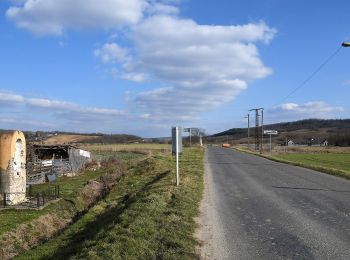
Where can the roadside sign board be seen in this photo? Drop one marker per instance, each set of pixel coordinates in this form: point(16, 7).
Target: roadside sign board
point(179, 138)
point(187, 130)
point(270, 132)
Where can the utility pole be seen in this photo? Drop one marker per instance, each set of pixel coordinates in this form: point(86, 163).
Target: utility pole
point(177, 157)
point(248, 131)
point(258, 139)
point(262, 130)
point(286, 144)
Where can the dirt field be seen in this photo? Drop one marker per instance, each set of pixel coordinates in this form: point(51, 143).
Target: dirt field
point(68, 139)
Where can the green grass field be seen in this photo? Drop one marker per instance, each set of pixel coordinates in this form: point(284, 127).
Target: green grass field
point(11, 218)
point(333, 160)
point(69, 186)
point(339, 161)
point(145, 216)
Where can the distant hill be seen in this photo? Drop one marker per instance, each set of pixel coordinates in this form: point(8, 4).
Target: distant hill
point(71, 137)
point(336, 131)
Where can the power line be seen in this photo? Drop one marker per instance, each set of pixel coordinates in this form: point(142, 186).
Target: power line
point(312, 75)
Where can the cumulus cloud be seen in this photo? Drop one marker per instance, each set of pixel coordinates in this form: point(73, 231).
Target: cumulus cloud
point(312, 109)
point(193, 67)
point(53, 17)
point(111, 53)
point(200, 66)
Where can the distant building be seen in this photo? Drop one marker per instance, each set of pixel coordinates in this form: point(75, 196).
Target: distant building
point(290, 143)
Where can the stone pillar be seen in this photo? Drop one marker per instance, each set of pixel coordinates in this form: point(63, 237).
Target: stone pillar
point(13, 166)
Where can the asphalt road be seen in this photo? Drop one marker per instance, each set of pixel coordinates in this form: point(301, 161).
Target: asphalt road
point(260, 209)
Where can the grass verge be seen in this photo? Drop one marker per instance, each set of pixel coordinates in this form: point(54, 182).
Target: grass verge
point(144, 217)
point(12, 218)
point(330, 163)
point(21, 230)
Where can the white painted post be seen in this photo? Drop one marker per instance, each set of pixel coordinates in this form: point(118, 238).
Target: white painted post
point(177, 157)
point(270, 145)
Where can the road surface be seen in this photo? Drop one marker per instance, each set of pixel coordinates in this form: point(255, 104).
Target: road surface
point(254, 208)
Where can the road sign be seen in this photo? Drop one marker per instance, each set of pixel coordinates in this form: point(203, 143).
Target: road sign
point(187, 130)
point(176, 135)
point(270, 132)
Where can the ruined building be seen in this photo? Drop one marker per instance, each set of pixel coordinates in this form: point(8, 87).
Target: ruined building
point(48, 162)
point(12, 167)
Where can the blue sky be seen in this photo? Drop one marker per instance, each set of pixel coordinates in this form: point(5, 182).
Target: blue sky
point(141, 66)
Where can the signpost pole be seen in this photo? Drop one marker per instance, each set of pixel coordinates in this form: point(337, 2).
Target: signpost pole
point(248, 134)
point(262, 130)
point(177, 157)
point(285, 147)
point(270, 145)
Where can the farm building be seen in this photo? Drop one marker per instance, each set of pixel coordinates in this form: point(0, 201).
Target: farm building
point(47, 162)
point(289, 143)
point(12, 167)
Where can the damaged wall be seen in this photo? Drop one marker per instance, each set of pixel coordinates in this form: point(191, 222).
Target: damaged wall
point(13, 166)
point(78, 158)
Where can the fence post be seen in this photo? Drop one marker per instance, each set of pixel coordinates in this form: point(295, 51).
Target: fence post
point(58, 191)
point(4, 200)
point(38, 200)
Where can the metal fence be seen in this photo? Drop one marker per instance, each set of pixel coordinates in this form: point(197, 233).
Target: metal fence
point(34, 198)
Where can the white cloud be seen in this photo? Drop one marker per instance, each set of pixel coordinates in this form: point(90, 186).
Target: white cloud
point(194, 67)
point(161, 8)
point(10, 99)
point(201, 66)
point(20, 122)
point(111, 53)
point(52, 112)
point(312, 109)
point(53, 17)
point(72, 110)
point(136, 77)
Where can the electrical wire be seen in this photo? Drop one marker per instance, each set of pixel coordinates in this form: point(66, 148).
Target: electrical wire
point(312, 75)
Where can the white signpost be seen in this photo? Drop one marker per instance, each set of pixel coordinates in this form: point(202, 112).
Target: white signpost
point(270, 132)
point(176, 133)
